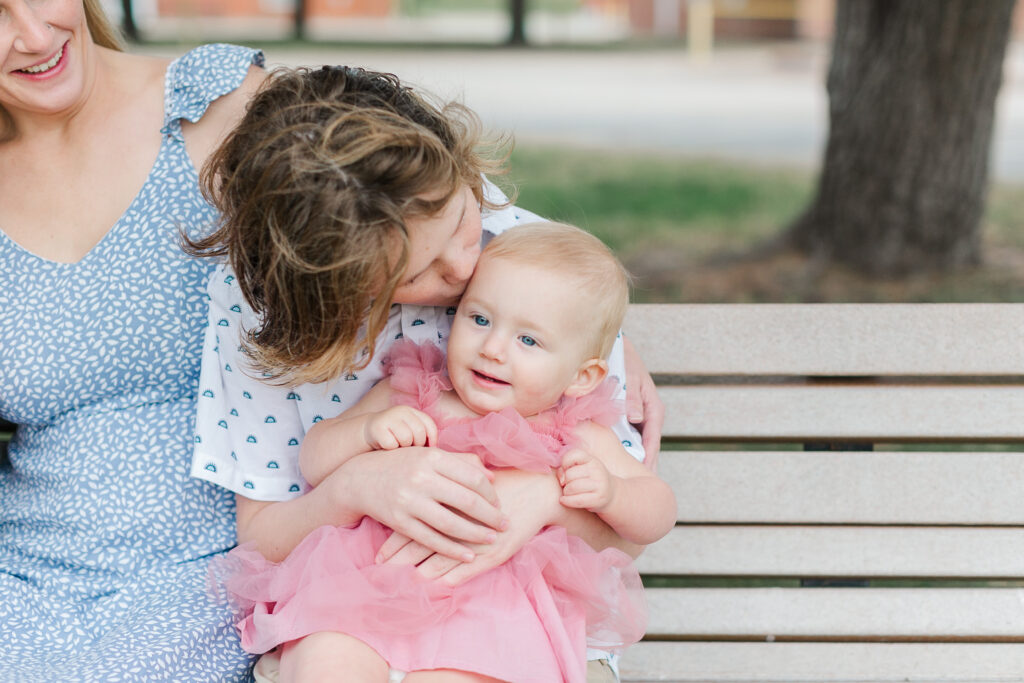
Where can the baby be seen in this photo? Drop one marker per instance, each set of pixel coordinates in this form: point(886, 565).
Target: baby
point(523, 387)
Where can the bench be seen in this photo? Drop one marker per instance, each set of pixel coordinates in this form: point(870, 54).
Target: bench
point(851, 493)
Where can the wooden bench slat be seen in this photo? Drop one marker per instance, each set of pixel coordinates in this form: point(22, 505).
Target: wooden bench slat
point(829, 339)
point(844, 412)
point(838, 613)
point(845, 487)
point(793, 374)
point(822, 662)
point(823, 551)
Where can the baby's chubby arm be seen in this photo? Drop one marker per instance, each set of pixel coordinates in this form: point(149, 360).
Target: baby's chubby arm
point(602, 477)
point(372, 424)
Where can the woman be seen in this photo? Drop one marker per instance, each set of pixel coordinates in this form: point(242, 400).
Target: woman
point(104, 539)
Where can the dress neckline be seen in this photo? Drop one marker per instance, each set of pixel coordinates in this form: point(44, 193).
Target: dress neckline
point(99, 246)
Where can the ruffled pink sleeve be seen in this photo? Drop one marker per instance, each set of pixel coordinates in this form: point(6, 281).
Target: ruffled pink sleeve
point(417, 374)
point(599, 406)
point(502, 439)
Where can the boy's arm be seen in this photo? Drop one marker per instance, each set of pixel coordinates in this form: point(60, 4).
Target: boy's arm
point(431, 485)
point(442, 500)
point(276, 527)
point(642, 507)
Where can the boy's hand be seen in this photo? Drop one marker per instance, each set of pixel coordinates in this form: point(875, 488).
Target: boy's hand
point(399, 427)
point(644, 407)
point(586, 482)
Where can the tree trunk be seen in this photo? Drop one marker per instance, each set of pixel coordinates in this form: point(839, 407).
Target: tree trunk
point(912, 91)
point(299, 20)
point(128, 25)
point(517, 16)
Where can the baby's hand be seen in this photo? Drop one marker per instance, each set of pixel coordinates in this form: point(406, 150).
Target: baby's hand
point(586, 482)
point(398, 427)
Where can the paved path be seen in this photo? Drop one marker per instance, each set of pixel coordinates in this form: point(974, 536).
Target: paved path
point(762, 104)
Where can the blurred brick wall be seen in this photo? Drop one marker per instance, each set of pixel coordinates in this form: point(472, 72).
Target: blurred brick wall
point(255, 8)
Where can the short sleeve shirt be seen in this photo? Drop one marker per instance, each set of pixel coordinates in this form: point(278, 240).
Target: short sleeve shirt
point(249, 430)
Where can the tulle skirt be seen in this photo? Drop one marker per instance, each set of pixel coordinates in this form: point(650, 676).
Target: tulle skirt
point(529, 619)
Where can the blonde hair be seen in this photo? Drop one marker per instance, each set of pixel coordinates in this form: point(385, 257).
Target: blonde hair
point(314, 187)
point(103, 34)
point(601, 280)
point(102, 31)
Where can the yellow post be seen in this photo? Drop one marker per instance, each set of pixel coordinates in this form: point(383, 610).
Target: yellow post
point(700, 27)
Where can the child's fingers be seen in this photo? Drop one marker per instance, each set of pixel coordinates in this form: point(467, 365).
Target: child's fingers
point(408, 432)
point(424, 431)
point(580, 501)
point(430, 538)
point(475, 461)
point(431, 432)
point(578, 486)
point(422, 426)
point(394, 543)
point(436, 566)
point(575, 456)
point(413, 553)
point(574, 473)
point(414, 427)
point(386, 440)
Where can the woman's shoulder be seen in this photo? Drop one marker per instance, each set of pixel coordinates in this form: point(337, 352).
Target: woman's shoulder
point(213, 65)
point(213, 82)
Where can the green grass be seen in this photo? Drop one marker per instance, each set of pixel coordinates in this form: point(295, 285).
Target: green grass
point(690, 229)
point(636, 200)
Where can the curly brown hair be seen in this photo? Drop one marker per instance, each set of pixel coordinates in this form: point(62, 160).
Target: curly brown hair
point(314, 187)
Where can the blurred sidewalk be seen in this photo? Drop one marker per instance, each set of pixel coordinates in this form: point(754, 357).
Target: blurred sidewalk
point(762, 104)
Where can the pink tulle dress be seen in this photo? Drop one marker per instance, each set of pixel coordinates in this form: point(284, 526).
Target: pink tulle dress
point(529, 619)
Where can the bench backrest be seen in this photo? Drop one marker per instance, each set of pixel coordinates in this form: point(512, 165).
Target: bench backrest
point(799, 553)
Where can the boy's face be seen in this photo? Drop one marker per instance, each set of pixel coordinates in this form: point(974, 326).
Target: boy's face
point(443, 250)
point(518, 338)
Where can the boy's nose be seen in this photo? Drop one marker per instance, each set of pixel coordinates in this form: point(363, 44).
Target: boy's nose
point(461, 265)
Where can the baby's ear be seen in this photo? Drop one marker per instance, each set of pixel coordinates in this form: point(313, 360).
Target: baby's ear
point(588, 377)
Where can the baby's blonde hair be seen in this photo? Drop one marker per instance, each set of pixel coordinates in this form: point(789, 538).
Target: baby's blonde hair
point(565, 250)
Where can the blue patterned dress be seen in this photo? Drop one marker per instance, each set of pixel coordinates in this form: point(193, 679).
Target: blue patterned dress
point(104, 538)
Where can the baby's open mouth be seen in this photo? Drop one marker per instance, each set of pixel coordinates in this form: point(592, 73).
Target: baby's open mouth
point(488, 378)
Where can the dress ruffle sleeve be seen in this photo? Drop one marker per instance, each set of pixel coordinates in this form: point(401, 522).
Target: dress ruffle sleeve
point(418, 373)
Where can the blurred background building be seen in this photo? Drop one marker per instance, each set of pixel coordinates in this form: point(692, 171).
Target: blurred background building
point(482, 20)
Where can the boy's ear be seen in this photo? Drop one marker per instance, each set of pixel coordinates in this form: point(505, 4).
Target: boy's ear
point(588, 377)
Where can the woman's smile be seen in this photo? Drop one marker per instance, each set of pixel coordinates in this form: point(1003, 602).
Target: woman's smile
point(47, 68)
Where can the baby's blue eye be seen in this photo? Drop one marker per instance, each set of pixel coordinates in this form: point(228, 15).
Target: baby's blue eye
point(481, 321)
point(528, 340)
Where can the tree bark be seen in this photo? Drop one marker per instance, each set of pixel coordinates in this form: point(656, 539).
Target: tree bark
point(128, 25)
point(912, 90)
point(517, 17)
point(299, 20)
